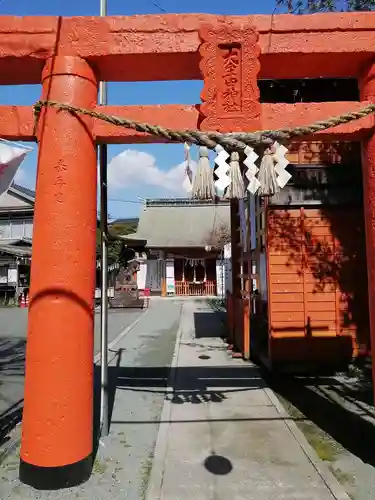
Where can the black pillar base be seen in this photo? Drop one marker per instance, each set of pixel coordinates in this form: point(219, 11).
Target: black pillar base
point(55, 478)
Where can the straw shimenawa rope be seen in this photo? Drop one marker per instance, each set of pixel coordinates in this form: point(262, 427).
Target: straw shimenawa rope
point(231, 141)
point(236, 188)
point(267, 173)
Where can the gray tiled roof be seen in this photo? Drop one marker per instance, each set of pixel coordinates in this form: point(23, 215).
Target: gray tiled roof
point(17, 241)
point(180, 223)
point(19, 251)
point(24, 190)
point(129, 220)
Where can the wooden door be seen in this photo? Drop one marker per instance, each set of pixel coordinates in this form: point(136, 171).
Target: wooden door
point(317, 273)
point(154, 274)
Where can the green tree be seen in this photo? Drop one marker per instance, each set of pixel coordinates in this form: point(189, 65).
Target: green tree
point(115, 245)
point(311, 6)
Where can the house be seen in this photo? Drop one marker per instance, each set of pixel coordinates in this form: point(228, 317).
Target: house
point(16, 229)
point(186, 240)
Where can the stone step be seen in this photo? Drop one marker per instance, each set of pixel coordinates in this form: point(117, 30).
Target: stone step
point(126, 300)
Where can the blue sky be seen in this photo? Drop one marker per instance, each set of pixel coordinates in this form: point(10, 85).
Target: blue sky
point(158, 175)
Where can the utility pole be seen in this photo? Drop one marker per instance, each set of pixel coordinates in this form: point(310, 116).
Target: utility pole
point(103, 160)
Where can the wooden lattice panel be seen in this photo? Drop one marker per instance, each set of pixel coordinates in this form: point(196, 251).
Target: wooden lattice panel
point(317, 273)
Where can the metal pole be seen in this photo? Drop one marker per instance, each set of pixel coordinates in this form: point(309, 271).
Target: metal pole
point(104, 418)
point(222, 275)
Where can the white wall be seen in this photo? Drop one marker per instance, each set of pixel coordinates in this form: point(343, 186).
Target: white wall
point(220, 278)
point(141, 275)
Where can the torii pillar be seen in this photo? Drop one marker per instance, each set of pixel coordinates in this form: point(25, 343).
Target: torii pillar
point(230, 103)
point(57, 430)
point(367, 88)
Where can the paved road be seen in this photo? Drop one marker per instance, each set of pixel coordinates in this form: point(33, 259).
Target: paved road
point(13, 326)
point(137, 383)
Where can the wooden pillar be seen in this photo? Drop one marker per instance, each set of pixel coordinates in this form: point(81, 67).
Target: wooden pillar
point(163, 276)
point(236, 269)
point(367, 86)
point(57, 431)
point(246, 328)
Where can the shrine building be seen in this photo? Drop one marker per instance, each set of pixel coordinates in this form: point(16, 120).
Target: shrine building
point(186, 240)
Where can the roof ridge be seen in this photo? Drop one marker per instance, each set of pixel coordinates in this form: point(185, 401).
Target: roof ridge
point(180, 202)
point(22, 189)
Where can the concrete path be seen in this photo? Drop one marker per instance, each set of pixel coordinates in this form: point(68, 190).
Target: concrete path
point(220, 433)
point(223, 434)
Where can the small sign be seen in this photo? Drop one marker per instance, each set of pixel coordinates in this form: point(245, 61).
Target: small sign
point(169, 276)
point(12, 276)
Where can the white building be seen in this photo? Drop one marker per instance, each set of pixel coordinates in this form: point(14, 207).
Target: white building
point(16, 230)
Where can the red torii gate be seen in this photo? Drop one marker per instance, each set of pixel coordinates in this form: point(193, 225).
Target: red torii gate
point(70, 56)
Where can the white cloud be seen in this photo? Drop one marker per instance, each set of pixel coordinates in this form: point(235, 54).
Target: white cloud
point(20, 176)
point(134, 169)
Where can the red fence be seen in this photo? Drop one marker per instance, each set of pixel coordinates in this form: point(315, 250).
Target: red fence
point(195, 289)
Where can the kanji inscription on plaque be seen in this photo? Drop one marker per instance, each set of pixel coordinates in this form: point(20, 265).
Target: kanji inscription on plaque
point(229, 100)
point(229, 65)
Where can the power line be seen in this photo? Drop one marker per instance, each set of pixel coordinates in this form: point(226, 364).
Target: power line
point(159, 7)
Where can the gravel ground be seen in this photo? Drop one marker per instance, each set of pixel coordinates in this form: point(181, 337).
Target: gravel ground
point(138, 377)
point(337, 416)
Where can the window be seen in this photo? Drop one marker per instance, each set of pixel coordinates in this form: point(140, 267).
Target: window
point(17, 228)
point(4, 228)
point(28, 228)
point(3, 274)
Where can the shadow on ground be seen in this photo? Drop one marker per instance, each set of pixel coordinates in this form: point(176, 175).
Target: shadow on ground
point(206, 328)
point(340, 406)
point(12, 364)
point(194, 385)
point(184, 385)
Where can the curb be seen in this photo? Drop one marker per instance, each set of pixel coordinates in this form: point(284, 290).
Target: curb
point(156, 480)
point(122, 334)
point(336, 489)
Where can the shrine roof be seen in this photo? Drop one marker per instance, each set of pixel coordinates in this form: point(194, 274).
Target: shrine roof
point(23, 190)
point(13, 249)
point(178, 223)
